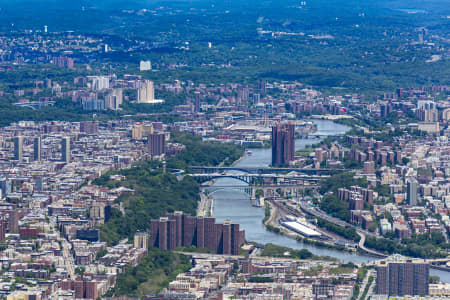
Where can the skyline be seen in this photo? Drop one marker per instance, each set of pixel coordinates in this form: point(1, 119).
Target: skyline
point(224, 149)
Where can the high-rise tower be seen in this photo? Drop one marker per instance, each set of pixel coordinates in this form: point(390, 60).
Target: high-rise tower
point(411, 191)
point(146, 92)
point(37, 149)
point(18, 148)
point(65, 149)
point(283, 144)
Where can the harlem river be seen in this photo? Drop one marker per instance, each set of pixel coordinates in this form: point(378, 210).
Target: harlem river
point(235, 205)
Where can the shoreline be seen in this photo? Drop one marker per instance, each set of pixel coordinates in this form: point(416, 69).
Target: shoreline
point(270, 222)
point(209, 205)
point(282, 231)
point(306, 243)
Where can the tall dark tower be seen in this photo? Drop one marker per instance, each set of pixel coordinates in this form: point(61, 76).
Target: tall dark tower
point(197, 102)
point(157, 144)
point(262, 86)
point(65, 149)
point(18, 148)
point(283, 144)
point(37, 149)
point(403, 278)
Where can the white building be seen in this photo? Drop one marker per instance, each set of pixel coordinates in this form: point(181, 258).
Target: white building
point(114, 99)
point(100, 83)
point(146, 93)
point(385, 226)
point(145, 65)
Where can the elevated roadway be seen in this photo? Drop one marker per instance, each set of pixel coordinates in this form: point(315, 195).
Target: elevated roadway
point(267, 170)
point(251, 178)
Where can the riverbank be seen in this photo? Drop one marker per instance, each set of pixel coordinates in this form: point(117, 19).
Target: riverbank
point(206, 206)
point(233, 203)
point(271, 220)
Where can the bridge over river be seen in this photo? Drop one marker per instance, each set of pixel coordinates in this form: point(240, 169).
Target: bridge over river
point(266, 170)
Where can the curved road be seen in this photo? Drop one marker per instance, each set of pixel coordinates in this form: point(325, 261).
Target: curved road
point(362, 233)
point(361, 245)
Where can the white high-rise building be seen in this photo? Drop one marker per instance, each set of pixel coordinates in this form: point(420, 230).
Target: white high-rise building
point(146, 92)
point(145, 65)
point(100, 83)
point(114, 99)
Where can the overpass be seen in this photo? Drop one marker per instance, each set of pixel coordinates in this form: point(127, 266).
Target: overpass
point(267, 170)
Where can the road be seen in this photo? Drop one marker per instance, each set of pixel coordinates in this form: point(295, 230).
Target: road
point(361, 245)
point(205, 206)
point(68, 258)
point(265, 170)
point(65, 249)
point(362, 233)
point(372, 287)
point(249, 177)
point(321, 214)
point(364, 284)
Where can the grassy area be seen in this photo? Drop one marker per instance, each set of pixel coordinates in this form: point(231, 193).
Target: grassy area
point(156, 193)
point(348, 233)
point(280, 251)
point(340, 270)
point(193, 249)
point(153, 273)
point(267, 213)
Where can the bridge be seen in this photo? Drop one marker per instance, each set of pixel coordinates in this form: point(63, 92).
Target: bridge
point(210, 190)
point(261, 179)
point(267, 170)
point(267, 190)
point(35, 105)
point(318, 135)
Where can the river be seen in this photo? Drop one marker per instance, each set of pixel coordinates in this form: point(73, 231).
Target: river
point(235, 205)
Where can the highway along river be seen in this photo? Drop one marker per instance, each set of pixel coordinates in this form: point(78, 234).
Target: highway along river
point(236, 206)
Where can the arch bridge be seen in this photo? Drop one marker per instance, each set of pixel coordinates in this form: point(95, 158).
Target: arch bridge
point(261, 179)
point(267, 190)
point(267, 170)
point(244, 189)
point(241, 177)
point(35, 105)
